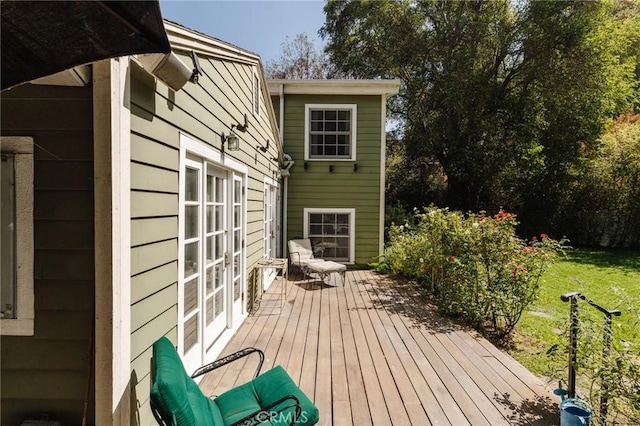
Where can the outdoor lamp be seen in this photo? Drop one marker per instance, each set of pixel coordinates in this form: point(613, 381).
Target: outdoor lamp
point(232, 140)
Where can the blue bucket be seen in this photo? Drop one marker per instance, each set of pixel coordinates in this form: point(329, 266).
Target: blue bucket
point(575, 412)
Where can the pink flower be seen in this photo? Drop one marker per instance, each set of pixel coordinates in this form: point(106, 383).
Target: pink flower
point(543, 236)
point(527, 249)
point(534, 238)
point(453, 258)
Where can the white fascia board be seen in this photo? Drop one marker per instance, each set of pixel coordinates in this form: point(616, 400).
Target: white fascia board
point(334, 87)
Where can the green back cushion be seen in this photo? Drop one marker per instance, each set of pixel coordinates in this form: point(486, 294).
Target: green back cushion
point(263, 391)
point(175, 394)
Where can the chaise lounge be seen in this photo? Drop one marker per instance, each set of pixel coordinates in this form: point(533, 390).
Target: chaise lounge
point(301, 255)
point(272, 397)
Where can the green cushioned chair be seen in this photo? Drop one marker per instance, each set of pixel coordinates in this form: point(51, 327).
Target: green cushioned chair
point(270, 398)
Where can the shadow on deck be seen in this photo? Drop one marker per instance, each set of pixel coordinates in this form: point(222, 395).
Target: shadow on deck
point(374, 351)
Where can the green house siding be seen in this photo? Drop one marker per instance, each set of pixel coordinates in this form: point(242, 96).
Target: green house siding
point(317, 187)
point(47, 372)
point(159, 115)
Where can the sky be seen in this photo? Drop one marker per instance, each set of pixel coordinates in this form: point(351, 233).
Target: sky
point(259, 26)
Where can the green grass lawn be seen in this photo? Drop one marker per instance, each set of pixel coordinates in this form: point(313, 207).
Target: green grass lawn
point(598, 274)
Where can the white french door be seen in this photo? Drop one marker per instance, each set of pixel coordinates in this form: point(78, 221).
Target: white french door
point(212, 254)
point(270, 230)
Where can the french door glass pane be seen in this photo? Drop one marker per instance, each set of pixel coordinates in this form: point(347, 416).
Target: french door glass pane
point(190, 332)
point(190, 296)
point(209, 280)
point(218, 278)
point(209, 249)
point(219, 301)
point(219, 190)
point(190, 222)
point(190, 258)
point(191, 185)
point(210, 310)
point(209, 218)
point(210, 188)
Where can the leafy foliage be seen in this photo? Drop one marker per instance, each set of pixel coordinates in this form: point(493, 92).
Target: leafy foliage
point(603, 204)
point(475, 265)
point(506, 98)
point(300, 59)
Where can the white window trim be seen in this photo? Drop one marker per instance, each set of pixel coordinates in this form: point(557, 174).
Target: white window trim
point(352, 226)
point(23, 325)
point(354, 126)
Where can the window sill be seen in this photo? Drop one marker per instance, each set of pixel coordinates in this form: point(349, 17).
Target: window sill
point(17, 327)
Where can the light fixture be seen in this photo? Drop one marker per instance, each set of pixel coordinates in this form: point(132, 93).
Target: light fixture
point(242, 127)
point(263, 148)
point(232, 140)
point(197, 70)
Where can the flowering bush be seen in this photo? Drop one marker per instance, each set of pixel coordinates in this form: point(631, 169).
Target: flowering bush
point(475, 265)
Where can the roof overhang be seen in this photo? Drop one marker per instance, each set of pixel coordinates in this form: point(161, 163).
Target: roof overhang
point(41, 38)
point(334, 87)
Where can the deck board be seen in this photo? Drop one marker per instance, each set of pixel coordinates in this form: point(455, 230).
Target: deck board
point(374, 352)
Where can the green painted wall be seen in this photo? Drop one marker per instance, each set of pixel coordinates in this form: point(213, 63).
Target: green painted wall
point(47, 372)
point(343, 188)
point(203, 111)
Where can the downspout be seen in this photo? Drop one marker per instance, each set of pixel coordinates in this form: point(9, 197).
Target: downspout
point(285, 177)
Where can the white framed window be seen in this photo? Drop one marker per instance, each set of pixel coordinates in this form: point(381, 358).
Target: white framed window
point(16, 223)
point(332, 232)
point(256, 93)
point(330, 132)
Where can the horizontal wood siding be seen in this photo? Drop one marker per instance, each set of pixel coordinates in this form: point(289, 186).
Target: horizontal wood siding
point(317, 187)
point(47, 372)
point(203, 111)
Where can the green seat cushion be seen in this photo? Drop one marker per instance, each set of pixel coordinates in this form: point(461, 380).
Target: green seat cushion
point(175, 394)
point(263, 391)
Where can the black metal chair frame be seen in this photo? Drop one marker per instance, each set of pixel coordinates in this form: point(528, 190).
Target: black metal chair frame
point(254, 418)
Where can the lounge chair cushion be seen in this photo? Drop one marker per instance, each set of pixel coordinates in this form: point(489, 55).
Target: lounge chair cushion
point(173, 391)
point(262, 391)
point(302, 250)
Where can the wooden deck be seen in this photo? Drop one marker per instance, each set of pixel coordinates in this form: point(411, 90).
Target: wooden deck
point(374, 352)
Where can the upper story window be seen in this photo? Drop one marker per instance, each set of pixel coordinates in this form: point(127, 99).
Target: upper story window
point(16, 232)
point(330, 132)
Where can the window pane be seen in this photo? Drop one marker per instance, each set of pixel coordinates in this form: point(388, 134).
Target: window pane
point(190, 259)
point(210, 310)
point(191, 185)
point(344, 115)
point(190, 332)
point(190, 296)
point(8, 237)
point(209, 280)
point(210, 249)
point(317, 114)
point(190, 222)
point(237, 191)
point(219, 189)
point(330, 115)
point(219, 247)
point(218, 276)
point(331, 126)
point(236, 216)
point(219, 302)
point(219, 218)
point(209, 188)
point(209, 218)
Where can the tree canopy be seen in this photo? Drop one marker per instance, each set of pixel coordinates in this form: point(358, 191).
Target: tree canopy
point(507, 97)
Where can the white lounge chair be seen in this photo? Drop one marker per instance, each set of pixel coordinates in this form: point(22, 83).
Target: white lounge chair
point(301, 255)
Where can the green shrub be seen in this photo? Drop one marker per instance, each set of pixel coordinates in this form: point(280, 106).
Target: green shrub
point(475, 265)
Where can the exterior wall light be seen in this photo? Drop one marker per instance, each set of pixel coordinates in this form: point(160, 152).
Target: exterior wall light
point(232, 140)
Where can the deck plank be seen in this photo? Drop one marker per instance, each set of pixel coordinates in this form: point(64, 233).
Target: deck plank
point(374, 352)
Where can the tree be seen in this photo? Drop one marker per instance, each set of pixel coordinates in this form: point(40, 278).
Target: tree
point(299, 59)
point(503, 95)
